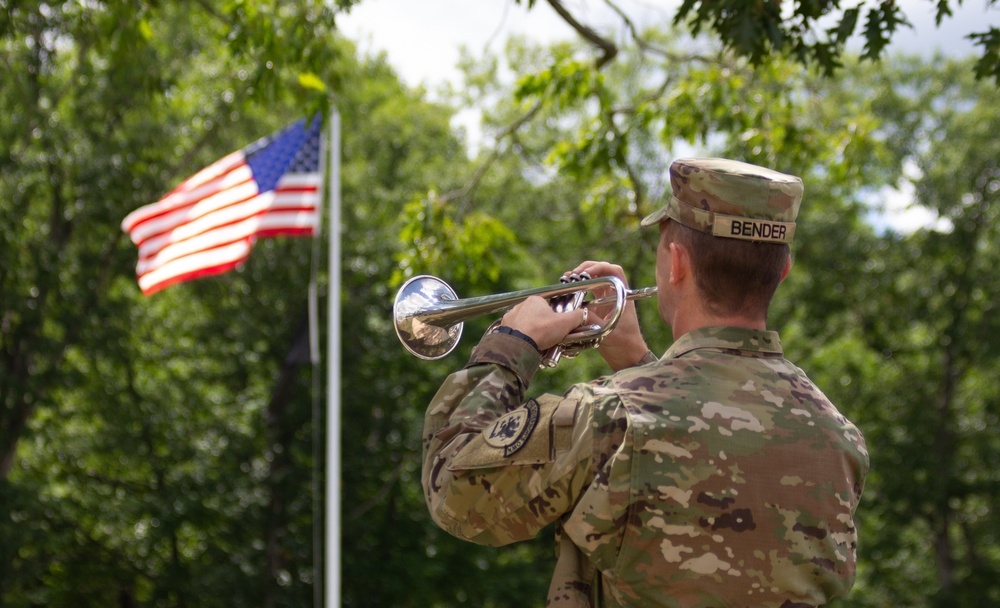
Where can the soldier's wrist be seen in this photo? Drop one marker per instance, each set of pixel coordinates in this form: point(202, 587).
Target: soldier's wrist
point(510, 331)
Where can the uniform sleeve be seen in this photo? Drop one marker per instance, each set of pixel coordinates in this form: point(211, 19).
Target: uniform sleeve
point(498, 469)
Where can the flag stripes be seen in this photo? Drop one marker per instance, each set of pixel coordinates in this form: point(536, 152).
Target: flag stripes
point(207, 224)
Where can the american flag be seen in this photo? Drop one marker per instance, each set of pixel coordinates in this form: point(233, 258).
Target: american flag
point(208, 224)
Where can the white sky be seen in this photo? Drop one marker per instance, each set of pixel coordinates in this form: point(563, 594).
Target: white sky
point(422, 40)
point(422, 37)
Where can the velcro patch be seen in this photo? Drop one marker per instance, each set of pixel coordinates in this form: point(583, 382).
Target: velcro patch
point(565, 413)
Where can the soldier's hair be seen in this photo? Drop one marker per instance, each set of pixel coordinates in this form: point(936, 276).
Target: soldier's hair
point(735, 277)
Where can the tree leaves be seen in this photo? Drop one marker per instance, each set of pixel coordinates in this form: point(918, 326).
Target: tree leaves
point(433, 239)
point(989, 63)
point(881, 22)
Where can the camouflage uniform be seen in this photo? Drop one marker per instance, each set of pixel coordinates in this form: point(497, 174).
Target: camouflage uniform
point(718, 475)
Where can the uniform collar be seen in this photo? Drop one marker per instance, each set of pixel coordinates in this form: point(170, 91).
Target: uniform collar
point(746, 341)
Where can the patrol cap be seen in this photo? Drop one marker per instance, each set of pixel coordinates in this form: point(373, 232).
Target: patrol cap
point(731, 199)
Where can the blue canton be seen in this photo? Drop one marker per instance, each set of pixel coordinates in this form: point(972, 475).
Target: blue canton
point(293, 150)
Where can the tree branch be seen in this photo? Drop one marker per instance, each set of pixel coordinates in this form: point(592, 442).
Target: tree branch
point(466, 190)
point(608, 49)
point(639, 40)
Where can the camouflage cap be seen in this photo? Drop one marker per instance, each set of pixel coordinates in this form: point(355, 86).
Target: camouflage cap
point(731, 199)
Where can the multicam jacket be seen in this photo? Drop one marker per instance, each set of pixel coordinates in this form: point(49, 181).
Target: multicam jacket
point(718, 475)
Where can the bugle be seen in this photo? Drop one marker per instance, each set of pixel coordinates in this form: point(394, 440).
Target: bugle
point(429, 316)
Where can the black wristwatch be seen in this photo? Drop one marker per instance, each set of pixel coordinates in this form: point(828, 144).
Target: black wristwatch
point(510, 331)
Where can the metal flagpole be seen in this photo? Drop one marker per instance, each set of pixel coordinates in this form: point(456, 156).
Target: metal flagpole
point(332, 561)
point(314, 357)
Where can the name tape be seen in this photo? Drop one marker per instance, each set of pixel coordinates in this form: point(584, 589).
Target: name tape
point(753, 229)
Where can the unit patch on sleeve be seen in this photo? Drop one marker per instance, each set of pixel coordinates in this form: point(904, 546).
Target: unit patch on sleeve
point(511, 431)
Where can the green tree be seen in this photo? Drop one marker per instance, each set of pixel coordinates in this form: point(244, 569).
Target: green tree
point(136, 463)
point(938, 345)
point(896, 327)
point(158, 450)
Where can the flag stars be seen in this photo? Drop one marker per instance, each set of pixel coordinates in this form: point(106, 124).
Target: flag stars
point(293, 150)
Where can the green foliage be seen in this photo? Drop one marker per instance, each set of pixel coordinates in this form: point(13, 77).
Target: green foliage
point(752, 29)
point(146, 455)
point(922, 335)
point(432, 239)
point(760, 30)
point(562, 85)
point(989, 63)
point(881, 22)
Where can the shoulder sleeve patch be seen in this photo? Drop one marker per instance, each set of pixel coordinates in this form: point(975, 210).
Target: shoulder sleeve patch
point(510, 432)
point(520, 437)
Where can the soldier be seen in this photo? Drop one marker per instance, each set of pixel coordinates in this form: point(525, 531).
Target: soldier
point(716, 475)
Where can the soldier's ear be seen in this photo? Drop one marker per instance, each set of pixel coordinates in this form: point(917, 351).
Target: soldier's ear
point(680, 262)
point(788, 268)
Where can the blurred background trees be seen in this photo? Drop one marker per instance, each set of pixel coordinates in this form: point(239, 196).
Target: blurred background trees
point(158, 451)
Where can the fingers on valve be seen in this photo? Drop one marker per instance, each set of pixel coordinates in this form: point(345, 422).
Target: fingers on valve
point(570, 301)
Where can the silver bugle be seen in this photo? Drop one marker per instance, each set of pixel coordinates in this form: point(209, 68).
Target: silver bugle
point(429, 316)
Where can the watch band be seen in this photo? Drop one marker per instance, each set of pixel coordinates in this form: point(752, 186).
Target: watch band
point(510, 331)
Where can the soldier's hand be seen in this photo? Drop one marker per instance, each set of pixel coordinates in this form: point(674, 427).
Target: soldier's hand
point(535, 318)
point(624, 346)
